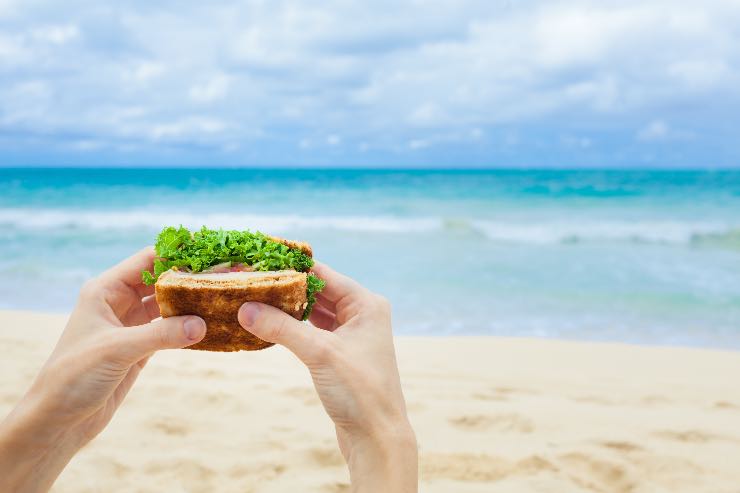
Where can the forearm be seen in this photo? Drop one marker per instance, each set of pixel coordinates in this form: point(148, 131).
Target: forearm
point(385, 462)
point(32, 452)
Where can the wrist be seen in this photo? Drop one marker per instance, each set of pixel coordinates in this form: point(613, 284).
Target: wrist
point(33, 451)
point(385, 460)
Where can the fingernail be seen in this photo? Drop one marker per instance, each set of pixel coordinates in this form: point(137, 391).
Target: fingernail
point(248, 314)
point(194, 328)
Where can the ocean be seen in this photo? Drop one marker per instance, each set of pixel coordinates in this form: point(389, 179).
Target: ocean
point(650, 257)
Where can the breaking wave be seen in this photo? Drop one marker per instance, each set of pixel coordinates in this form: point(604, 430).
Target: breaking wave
point(529, 232)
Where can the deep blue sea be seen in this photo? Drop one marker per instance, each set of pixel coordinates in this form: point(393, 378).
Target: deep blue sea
point(635, 256)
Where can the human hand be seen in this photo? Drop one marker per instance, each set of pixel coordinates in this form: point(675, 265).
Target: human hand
point(353, 365)
point(107, 341)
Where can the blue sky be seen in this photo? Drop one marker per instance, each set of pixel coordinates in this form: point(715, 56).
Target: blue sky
point(415, 83)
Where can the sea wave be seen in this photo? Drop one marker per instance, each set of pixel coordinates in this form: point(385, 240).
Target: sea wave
point(644, 231)
point(30, 219)
point(506, 231)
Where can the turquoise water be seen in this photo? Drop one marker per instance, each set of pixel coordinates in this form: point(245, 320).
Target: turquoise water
point(647, 257)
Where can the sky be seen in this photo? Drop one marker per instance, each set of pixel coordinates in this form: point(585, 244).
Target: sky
point(459, 83)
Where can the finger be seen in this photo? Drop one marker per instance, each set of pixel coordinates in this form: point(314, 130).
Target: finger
point(141, 312)
point(135, 343)
point(323, 318)
point(273, 325)
point(142, 289)
point(321, 300)
point(338, 286)
point(129, 271)
point(136, 315)
point(151, 307)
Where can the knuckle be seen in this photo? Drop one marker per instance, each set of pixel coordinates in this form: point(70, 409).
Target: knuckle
point(161, 335)
point(277, 329)
point(382, 303)
point(90, 289)
point(325, 349)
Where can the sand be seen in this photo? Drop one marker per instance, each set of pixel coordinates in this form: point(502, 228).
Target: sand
point(491, 415)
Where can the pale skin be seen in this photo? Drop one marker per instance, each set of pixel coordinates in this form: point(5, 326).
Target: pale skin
point(115, 328)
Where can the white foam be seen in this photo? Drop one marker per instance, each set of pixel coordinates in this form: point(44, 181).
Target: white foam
point(138, 219)
point(529, 232)
point(646, 231)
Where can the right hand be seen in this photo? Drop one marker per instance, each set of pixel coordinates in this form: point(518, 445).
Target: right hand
point(353, 365)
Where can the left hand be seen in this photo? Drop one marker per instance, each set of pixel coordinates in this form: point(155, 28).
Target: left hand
point(107, 341)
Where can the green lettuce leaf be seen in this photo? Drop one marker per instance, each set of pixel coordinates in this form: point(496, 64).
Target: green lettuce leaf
point(195, 252)
point(315, 285)
point(177, 247)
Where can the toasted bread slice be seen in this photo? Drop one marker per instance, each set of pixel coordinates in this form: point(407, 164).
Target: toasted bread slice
point(217, 297)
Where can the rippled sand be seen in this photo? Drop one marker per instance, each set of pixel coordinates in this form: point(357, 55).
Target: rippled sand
point(491, 415)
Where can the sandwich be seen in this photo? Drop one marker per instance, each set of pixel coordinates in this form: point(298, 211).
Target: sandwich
point(211, 273)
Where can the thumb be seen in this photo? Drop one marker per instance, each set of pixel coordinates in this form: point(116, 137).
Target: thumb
point(273, 325)
point(166, 333)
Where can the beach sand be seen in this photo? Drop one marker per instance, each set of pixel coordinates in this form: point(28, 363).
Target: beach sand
point(491, 415)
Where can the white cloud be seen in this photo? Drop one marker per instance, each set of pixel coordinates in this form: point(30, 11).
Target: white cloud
point(464, 71)
point(576, 142)
point(566, 35)
point(145, 71)
point(655, 130)
point(11, 49)
point(86, 145)
point(700, 74)
point(601, 94)
point(25, 103)
point(31, 89)
point(418, 144)
point(426, 114)
point(186, 127)
point(213, 89)
point(555, 57)
point(55, 34)
point(8, 7)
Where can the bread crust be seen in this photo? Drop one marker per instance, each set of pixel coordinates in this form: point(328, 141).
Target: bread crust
point(217, 299)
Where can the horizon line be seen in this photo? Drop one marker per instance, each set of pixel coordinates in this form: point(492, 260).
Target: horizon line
point(366, 168)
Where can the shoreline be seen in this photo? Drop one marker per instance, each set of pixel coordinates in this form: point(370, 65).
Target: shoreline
point(507, 338)
point(490, 413)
